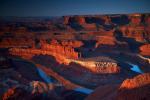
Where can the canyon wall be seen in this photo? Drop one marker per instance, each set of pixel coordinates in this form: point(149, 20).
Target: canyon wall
point(65, 49)
point(145, 50)
point(136, 88)
point(132, 25)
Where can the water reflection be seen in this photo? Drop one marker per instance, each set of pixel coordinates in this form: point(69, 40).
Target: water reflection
point(44, 76)
point(135, 68)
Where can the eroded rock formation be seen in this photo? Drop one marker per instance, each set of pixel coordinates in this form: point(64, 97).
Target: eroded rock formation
point(101, 65)
point(135, 89)
point(16, 94)
point(110, 43)
point(145, 50)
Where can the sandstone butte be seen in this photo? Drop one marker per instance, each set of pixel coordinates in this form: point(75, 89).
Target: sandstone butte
point(67, 49)
point(137, 88)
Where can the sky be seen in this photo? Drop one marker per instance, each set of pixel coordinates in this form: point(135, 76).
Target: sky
point(71, 7)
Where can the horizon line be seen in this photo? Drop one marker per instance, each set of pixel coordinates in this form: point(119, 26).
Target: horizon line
point(77, 14)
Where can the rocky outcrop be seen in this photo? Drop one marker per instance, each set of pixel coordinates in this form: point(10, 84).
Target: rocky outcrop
point(29, 53)
point(135, 19)
point(99, 67)
point(20, 93)
point(145, 50)
point(41, 87)
point(109, 43)
point(135, 89)
point(67, 49)
point(16, 94)
point(136, 28)
point(107, 67)
point(106, 40)
point(104, 19)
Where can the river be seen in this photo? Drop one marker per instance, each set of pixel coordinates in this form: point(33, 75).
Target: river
point(48, 80)
point(135, 68)
point(45, 77)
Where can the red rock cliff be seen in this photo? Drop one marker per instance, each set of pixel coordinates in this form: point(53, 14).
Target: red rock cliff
point(136, 88)
point(145, 50)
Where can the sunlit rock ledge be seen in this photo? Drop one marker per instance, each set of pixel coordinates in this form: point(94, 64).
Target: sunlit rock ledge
point(103, 65)
point(96, 65)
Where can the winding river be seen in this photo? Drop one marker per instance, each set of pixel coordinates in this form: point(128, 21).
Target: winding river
point(45, 77)
point(135, 68)
point(48, 80)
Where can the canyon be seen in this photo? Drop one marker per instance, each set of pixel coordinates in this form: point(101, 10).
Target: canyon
point(77, 57)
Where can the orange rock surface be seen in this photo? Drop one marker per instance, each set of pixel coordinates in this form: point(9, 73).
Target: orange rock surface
point(16, 94)
point(106, 40)
point(136, 88)
point(66, 50)
point(145, 50)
